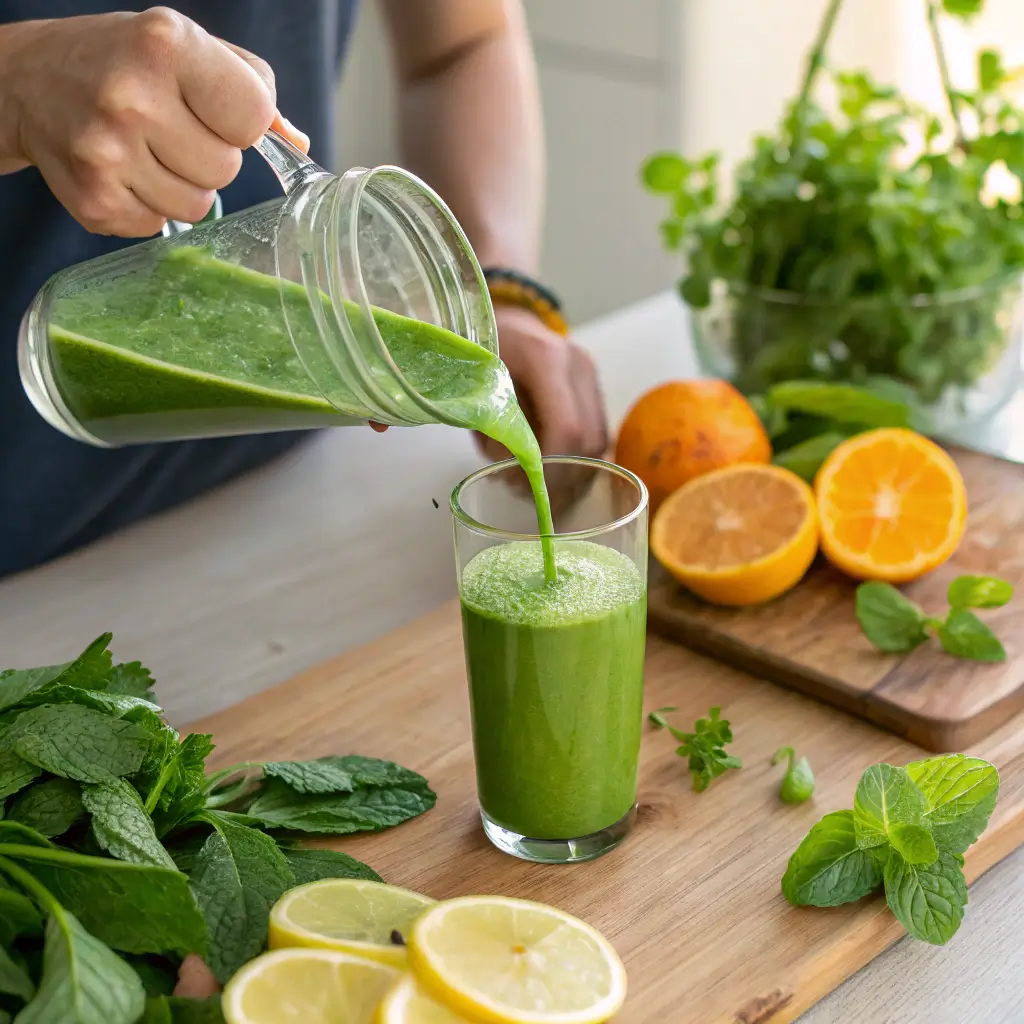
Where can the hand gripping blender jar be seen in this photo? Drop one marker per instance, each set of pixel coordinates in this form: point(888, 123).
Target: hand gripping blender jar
point(348, 299)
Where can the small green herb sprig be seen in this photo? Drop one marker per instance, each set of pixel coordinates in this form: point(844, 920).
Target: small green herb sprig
point(908, 831)
point(705, 746)
point(829, 212)
point(119, 855)
point(895, 624)
point(798, 782)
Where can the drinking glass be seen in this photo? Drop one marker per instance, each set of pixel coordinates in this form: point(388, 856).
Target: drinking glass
point(555, 668)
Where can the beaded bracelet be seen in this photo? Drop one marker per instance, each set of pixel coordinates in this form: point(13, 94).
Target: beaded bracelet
point(511, 288)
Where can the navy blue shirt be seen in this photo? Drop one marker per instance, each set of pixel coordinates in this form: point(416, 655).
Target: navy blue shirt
point(57, 494)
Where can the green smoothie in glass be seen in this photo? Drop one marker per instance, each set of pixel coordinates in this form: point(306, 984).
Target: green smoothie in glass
point(556, 685)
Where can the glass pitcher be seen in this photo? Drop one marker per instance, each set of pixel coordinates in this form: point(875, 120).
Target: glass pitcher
point(346, 300)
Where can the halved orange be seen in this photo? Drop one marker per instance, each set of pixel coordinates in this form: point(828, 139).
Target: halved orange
point(892, 506)
point(739, 535)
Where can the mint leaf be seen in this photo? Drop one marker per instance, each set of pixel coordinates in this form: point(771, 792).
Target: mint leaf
point(16, 832)
point(963, 634)
point(122, 826)
point(979, 592)
point(842, 403)
point(664, 173)
point(176, 1010)
point(798, 782)
point(180, 788)
point(828, 868)
point(914, 843)
point(886, 796)
point(79, 743)
point(965, 9)
point(928, 900)
point(960, 794)
point(131, 907)
point(365, 810)
point(238, 876)
point(50, 807)
point(18, 915)
point(325, 775)
point(17, 684)
point(15, 773)
point(90, 667)
point(372, 771)
point(314, 864)
point(892, 622)
point(805, 458)
point(14, 979)
point(131, 679)
point(83, 981)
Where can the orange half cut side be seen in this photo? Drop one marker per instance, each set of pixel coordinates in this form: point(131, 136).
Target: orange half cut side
point(892, 506)
point(739, 535)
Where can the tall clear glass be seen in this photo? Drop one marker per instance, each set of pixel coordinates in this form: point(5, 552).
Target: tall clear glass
point(555, 669)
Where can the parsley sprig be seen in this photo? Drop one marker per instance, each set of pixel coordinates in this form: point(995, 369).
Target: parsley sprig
point(705, 746)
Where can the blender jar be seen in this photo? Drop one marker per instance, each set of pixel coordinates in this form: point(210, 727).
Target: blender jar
point(333, 305)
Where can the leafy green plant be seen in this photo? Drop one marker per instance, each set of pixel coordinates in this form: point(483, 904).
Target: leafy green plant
point(839, 257)
point(908, 831)
point(798, 782)
point(806, 419)
point(895, 624)
point(704, 747)
point(120, 855)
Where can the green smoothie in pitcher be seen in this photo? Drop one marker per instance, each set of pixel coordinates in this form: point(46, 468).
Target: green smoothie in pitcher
point(199, 346)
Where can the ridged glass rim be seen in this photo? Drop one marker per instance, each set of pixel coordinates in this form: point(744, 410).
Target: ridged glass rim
point(463, 517)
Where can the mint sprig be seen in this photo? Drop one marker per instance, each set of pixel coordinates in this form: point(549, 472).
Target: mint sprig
point(896, 625)
point(704, 747)
point(908, 831)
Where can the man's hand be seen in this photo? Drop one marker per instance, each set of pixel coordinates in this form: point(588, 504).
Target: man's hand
point(556, 384)
point(131, 118)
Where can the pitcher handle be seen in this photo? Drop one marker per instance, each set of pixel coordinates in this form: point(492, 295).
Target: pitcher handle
point(290, 165)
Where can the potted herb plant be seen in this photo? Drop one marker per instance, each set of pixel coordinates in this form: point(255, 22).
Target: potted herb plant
point(863, 245)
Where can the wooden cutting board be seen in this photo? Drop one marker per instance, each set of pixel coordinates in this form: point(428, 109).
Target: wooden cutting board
point(809, 639)
point(692, 899)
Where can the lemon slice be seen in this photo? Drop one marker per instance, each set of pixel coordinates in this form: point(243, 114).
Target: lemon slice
point(307, 986)
point(409, 1003)
point(507, 961)
point(350, 914)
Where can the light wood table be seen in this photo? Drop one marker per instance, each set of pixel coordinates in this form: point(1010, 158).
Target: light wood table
point(340, 543)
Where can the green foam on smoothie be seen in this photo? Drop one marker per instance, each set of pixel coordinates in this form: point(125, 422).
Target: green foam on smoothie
point(507, 582)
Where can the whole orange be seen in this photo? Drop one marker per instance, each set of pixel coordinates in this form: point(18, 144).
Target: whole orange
point(681, 430)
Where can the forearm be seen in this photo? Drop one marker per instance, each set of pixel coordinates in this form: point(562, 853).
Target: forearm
point(471, 127)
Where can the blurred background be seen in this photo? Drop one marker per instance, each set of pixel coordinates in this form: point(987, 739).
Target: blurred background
point(623, 78)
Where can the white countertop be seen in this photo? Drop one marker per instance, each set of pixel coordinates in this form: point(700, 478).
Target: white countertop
point(340, 542)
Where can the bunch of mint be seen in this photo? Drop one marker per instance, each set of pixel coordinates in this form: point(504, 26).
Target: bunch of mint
point(119, 855)
point(908, 831)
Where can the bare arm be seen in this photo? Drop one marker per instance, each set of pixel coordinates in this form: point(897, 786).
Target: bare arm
point(471, 126)
point(471, 121)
